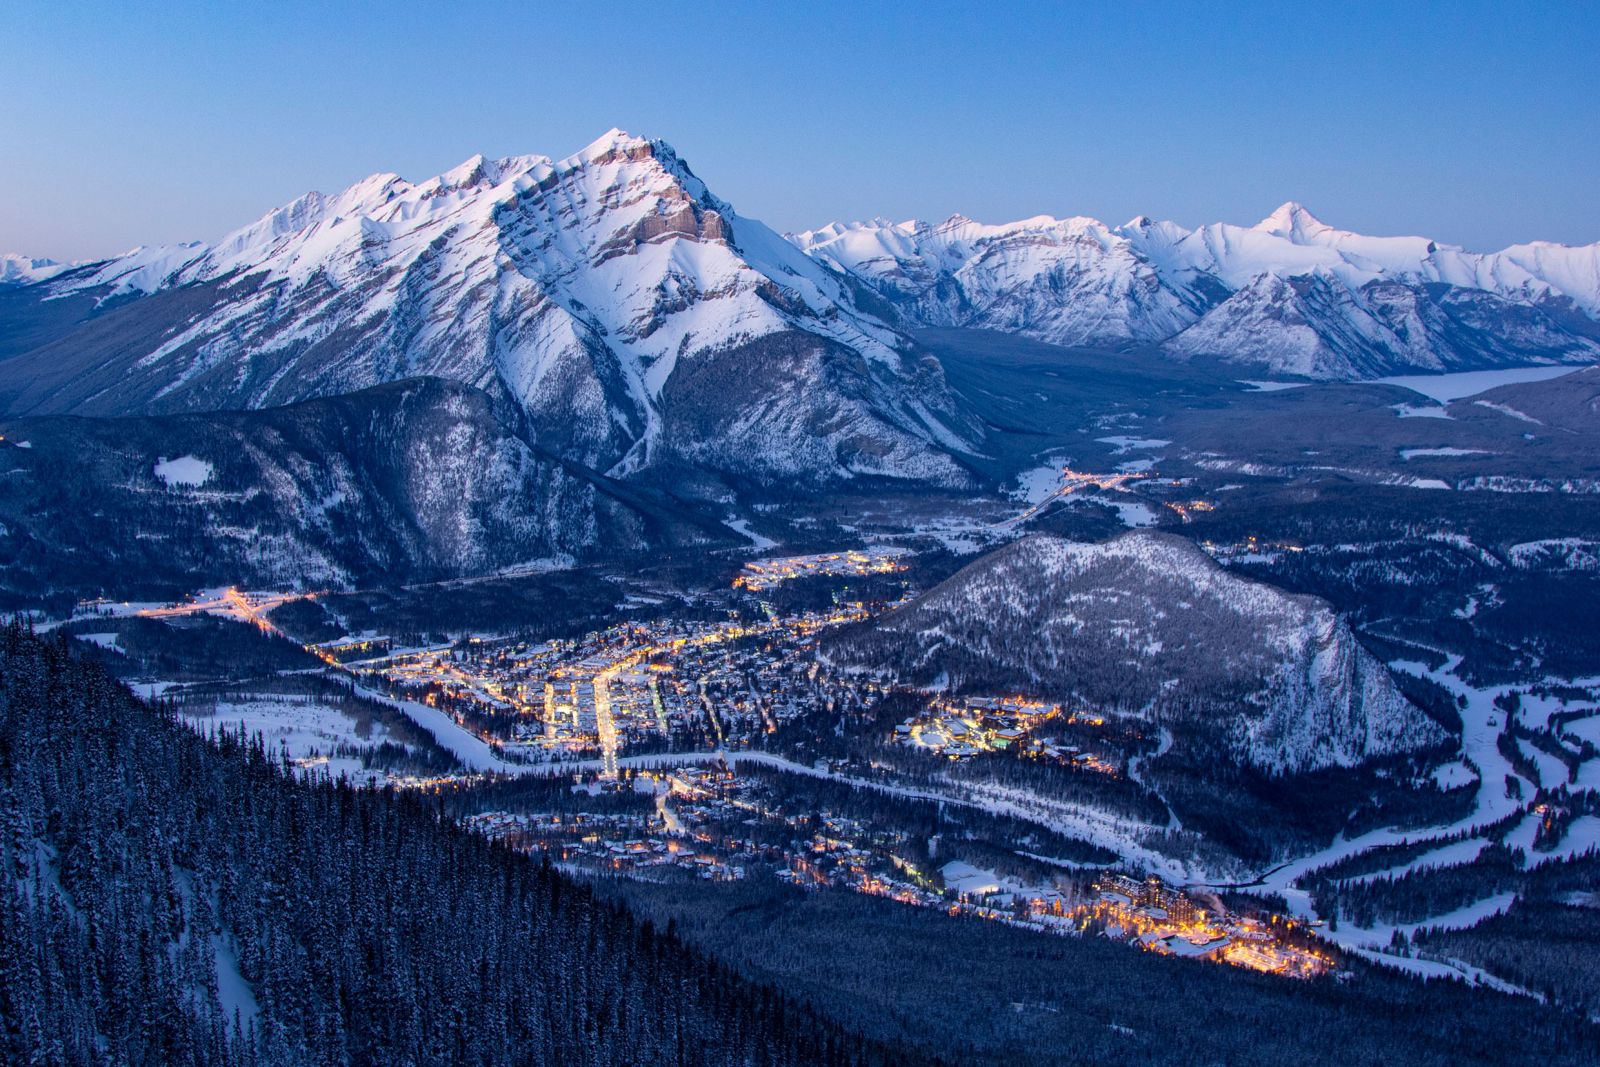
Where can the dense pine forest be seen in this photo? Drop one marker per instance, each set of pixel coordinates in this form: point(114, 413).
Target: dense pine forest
point(167, 900)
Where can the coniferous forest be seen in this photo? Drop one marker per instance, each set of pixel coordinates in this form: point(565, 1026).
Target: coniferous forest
point(167, 900)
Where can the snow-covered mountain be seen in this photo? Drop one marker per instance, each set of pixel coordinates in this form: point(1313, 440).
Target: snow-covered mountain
point(1290, 293)
point(406, 481)
point(1150, 625)
point(25, 270)
point(635, 317)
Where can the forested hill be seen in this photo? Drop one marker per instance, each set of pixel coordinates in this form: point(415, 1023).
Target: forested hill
point(166, 900)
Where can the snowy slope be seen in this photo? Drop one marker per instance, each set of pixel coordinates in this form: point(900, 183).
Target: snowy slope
point(635, 317)
point(1290, 292)
point(1148, 624)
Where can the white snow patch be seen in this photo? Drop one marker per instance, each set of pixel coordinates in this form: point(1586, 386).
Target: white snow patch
point(188, 471)
point(302, 729)
point(1128, 444)
point(1454, 775)
point(108, 641)
point(1409, 453)
point(1406, 411)
point(1039, 484)
point(473, 752)
point(1507, 409)
point(1132, 512)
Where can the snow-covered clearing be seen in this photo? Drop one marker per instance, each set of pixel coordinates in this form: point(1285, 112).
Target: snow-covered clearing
point(1128, 444)
point(189, 471)
point(304, 730)
point(1407, 411)
point(1039, 484)
point(1412, 453)
point(111, 641)
point(1133, 513)
point(1552, 772)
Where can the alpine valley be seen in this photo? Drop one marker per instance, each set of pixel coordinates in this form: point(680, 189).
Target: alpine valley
point(539, 607)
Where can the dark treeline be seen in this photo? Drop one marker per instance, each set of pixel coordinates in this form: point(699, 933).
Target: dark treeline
point(166, 900)
point(1546, 946)
point(985, 993)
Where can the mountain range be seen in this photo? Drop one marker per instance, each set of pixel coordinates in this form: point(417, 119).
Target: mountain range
point(1291, 294)
point(642, 324)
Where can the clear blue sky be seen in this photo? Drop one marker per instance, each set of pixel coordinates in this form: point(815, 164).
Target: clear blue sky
point(1478, 124)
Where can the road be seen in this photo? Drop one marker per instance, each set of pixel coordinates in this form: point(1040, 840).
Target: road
point(230, 603)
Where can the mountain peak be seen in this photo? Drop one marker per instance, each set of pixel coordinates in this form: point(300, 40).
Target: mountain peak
point(1292, 219)
point(613, 141)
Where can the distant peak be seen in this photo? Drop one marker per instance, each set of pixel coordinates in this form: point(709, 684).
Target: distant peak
point(954, 222)
point(1291, 219)
point(16, 269)
point(479, 170)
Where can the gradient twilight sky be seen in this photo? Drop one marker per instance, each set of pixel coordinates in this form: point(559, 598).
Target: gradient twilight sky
point(1473, 123)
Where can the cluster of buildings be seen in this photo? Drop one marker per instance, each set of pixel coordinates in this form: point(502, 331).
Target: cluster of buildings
point(963, 727)
point(960, 728)
point(610, 843)
point(1188, 509)
point(1251, 549)
point(763, 574)
point(349, 649)
point(711, 822)
point(1161, 918)
point(648, 687)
